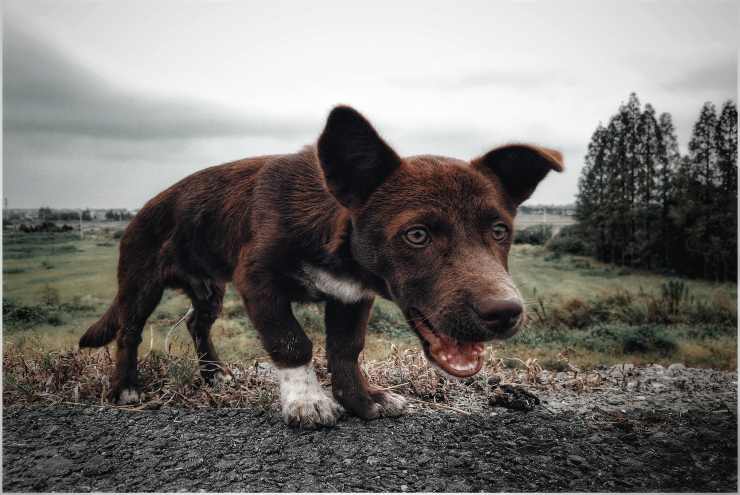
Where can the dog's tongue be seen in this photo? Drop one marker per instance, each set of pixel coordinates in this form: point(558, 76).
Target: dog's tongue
point(461, 359)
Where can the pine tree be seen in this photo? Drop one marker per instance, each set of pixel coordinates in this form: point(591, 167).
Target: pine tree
point(703, 148)
point(727, 150)
point(649, 149)
point(630, 116)
point(704, 226)
point(591, 198)
point(669, 160)
point(726, 199)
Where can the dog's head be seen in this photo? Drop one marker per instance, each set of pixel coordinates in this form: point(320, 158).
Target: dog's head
point(438, 231)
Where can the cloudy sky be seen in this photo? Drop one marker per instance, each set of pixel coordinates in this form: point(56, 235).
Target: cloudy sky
point(107, 103)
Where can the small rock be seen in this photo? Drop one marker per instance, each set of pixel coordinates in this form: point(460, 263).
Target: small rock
point(513, 397)
point(576, 459)
point(494, 380)
point(404, 488)
point(372, 460)
point(658, 368)
point(614, 401)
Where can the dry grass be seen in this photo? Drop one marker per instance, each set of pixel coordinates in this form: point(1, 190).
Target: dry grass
point(172, 380)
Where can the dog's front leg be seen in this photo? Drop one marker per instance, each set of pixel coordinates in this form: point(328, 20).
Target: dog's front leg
point(346, 325)
point(304, 402)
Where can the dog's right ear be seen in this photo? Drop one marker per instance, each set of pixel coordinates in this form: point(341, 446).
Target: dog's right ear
point(354, 158)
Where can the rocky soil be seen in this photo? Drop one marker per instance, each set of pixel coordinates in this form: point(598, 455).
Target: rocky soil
point(646, 429)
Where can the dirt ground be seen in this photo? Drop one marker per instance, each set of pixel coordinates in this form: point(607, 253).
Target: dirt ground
point(652, 429)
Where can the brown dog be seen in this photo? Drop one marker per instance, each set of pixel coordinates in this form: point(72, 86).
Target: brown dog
point(340, 222)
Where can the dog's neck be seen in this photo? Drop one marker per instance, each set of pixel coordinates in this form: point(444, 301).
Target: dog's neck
point(340, 233)
point(340, 260)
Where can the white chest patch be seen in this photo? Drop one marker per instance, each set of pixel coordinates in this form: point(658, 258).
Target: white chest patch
point(347, 290)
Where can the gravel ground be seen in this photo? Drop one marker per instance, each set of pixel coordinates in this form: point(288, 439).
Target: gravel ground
point(647, 429)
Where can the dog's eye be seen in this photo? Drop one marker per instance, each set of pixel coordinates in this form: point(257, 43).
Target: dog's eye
point(500, 231)
point(417, 236)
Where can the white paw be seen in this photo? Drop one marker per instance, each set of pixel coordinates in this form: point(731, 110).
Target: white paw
point(312, 413)
point(304, 402)
point(392, 404)
point(129, 396)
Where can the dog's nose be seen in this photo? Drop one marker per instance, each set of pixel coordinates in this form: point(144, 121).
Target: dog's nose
point(499, 312)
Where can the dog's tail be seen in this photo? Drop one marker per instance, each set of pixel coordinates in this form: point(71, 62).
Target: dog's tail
point(104, 330)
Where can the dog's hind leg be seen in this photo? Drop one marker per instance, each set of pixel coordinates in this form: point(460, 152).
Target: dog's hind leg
point(207, 298)
point(304, 402)
point(135, 304)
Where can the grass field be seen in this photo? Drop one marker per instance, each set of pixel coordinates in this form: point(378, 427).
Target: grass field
point(582, 313)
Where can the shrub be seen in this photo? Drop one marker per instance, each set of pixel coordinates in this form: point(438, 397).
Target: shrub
point(674, 293)
point(575, 313)
point(569, 241)
point(536, 235)
point(712, 313)
point(19, 316)
point(674, 305)
point(648, 339)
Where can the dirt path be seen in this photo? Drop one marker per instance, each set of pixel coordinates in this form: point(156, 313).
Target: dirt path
point(675, 437)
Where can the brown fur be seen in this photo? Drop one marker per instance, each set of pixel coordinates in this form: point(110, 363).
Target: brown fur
point(342, 206)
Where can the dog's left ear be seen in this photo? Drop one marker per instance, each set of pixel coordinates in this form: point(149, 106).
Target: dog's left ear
point(519, 168)
point(354, 158)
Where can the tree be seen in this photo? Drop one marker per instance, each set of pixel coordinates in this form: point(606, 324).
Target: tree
point(726, 135)
point(590, 202)
point(669, 159)
point(649, 150)
point(726, 198)
point(46, 213)
point(703, 147)
point(640, 203)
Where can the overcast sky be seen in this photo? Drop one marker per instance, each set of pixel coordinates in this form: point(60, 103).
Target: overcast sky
point(107, 103)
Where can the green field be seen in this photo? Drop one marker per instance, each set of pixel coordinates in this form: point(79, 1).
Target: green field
point(581, 312)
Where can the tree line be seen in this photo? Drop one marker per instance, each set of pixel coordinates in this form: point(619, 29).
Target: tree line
point(48, 214)
point(641, 203)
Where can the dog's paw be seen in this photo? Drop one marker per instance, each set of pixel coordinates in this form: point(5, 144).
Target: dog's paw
point(389, 404)
point(372, 404)
point(312, 411)
point(305, 403)
point(128, 396)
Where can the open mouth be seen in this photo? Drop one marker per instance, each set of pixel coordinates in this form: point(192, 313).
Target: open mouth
point(460, 359)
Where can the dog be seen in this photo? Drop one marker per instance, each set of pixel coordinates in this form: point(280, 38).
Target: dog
point(340, 222)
